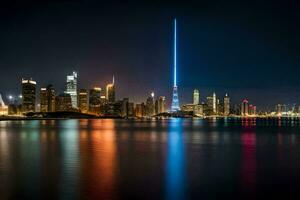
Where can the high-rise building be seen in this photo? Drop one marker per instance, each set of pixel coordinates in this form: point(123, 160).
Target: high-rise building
point(130, 110)
point(214, 103)
point(244, 108)
point(3, 107)
point(63, 102)
point(226, 105)
point(252, 110)
point(95, 100)
point(72, 88)
point(47, 99)
point(43, 100)
point(209, 106)
point(28, 95)
point(175, 100)
point(150, 107)
point(124, 112)
point(110, 92)
point(140, 110)
point(83, 100)
point(196, 97)
point(162, 104)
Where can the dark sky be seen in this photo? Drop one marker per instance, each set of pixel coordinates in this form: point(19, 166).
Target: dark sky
point(250, 49)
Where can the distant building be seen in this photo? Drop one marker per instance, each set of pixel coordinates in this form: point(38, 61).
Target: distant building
point(110, 92)
point(83, 100)
point(14, 109)
point(124, 112)
point(252, 110)
point(3, 107)
point(72, 88)
point(113, 109)
point(63, 102)
point(198, 110)
point(281, 109)
point(28, 95)
point(226, 105)
point(47, 99)
point(140, 110)
point(209, 107)
point(162, 105)
point(95, 100)
point(187, 107)
point(244, 108)
point(130, 109)
point(150, 107)
point(214, 103)
point(196, 97)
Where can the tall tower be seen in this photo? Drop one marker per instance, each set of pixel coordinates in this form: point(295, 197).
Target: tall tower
point(214, 103)
point(175, 100)
point(196, 97)
point(110, 91)
point(72, 88)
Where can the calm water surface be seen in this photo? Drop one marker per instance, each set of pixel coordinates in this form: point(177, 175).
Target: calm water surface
point(167, 159)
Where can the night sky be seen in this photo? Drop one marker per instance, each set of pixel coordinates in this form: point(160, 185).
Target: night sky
point(250, 50)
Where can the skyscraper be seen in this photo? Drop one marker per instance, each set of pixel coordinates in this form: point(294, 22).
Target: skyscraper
point(162, 104)
point(47, 99)
point(28, 95)
point(214, 103)
point(110, 92)
point(63, 102)
point(175, 101)
point(83, 100)
point(95, 100)
point(150, 107)
point(226, 105)
point(3, 107)
point(244, 108)
point(196, 97)
point(72, 88)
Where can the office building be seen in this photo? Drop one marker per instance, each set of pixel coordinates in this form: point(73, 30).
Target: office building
point(162, 105)
point(83, 100)
point(28, 95)
point(196, 97)
point(214, 103)
point(47, 99)
point(63, 102)
point(140, 110)
point(150, 107)
point(244, 108)
point(110, 92)
point(95, 100)
point(72, 88)
point(3, 107)
point(226, 105)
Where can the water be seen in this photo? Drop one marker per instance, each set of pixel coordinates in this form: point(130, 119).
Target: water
point(167, 159)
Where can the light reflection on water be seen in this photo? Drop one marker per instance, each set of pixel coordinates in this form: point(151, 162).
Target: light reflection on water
point(167, 159)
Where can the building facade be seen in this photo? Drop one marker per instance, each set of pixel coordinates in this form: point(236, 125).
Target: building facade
point(28, 95)
point(95, 100)
point(226, 105)
point(196, 97)
point(72, 88)
point(83, 100)
point(63, 102)
point(47, 99)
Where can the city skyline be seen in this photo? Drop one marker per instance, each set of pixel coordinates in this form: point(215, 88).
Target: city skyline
point(213, 53)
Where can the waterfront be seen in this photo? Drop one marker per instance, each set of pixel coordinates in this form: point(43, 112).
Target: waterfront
point(153, 159)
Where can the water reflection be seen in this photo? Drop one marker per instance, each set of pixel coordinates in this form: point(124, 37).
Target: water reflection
point(175, 163)
point(248, 168)
point(98, 169)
